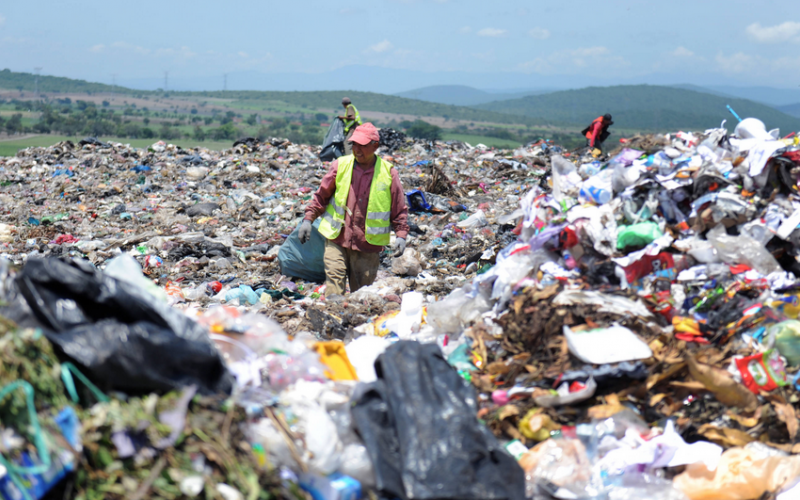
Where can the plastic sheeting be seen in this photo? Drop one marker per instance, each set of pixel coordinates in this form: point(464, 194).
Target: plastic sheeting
point(123, 337)
point(418, 424)
point(333, 145)
point(304, 261)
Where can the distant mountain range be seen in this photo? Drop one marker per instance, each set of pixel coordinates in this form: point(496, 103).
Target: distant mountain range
point(642, 107)
point(634, 107)
point(791, 109)
point(462, 95)
point(784, 100)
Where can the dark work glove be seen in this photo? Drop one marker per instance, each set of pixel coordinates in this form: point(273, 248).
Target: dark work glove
point(305, 231)
point(399, 246)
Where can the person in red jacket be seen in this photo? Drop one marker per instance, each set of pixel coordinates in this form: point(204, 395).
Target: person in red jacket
point(597, 132)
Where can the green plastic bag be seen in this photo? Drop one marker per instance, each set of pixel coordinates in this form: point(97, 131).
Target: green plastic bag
point(787, 340)
point(638, 235)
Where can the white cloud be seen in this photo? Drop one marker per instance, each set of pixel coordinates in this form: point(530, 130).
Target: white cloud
point(785, 32)
point(380, 47)
point(584, 56)
point(570, 61)
point(243, 54)
point(682, 52)
point(131, 48)
point(180, 53)
point(492, 32)
point(745, 64)
point(466, 29)
point(487, 56)
point(736, 63)
point(2, 20)
point(539, 33)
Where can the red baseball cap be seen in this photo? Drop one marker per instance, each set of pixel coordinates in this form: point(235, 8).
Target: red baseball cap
point(364, 134)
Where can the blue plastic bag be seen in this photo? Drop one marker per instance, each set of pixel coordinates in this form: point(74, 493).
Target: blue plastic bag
point(304, 261)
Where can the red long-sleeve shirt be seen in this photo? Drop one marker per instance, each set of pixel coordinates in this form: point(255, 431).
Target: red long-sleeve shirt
point(352, 235)
point(594, 132)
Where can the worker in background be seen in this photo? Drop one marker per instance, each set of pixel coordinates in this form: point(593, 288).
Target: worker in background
point(360, 200)
point(351, 120)
point(597, 132)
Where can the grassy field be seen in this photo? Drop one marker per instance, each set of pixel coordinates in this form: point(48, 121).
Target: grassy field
point(475, 139)
point(10, 147)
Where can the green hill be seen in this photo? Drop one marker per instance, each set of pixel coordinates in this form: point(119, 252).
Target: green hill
point(364, 101)
point(461, 95)
point(642, 107)
point(369, 101)
point(791, 110)
point(26, 82)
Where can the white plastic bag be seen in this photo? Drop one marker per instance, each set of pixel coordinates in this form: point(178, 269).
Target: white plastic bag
point(606, 345)
point(478, 219)
point(565, 177)
point(742, 250)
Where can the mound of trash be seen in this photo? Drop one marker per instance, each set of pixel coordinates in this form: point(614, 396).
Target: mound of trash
point(561, 324)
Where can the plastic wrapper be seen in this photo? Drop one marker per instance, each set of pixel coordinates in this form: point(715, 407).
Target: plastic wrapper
point(407, 264)
point(478, 219)
point(562, 468)
point(565, 177)
point(455, 311)
point(786, 336)
point(638, 235)
point(597, 189)
point(742, 474)
point(742, 250)
point(570, 397)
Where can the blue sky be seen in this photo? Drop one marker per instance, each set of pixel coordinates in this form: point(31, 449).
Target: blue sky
point(501, 44)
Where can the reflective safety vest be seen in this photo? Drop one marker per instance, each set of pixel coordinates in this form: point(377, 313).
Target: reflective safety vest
point(379, 207)
point(348, 124)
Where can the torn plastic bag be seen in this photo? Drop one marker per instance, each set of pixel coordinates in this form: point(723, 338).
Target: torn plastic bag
point(742, 250)
point(416, 201)
point(418, 424)
point(121, 336)
point(333, 145)
point(420, 201)
point(304, 261)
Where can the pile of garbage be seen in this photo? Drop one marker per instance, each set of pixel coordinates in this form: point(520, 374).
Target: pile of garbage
point(561, 324)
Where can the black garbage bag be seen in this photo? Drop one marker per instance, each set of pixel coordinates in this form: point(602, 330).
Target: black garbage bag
point(92, 141)
point(122, 337)
point(391, 139)
point(250, 142)
point(205, 209)
point(333, 145)
point(419, 424)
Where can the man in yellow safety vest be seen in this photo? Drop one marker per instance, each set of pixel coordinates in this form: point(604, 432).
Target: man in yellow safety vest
point(351, 120)
point(360, 200)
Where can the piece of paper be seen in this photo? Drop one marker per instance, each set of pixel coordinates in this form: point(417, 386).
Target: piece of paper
point(788, 225)
point(606, 345)
point(758, 156)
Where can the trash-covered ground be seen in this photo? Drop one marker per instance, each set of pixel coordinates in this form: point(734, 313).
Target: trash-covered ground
point(562, 324)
